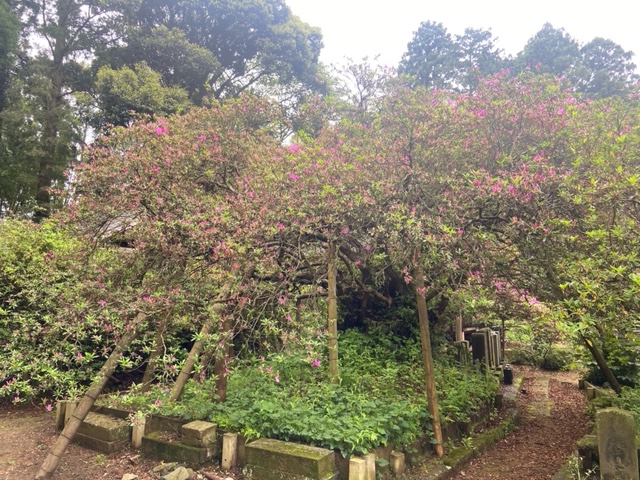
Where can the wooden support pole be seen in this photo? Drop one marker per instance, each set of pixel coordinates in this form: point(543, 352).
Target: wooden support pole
point(427, 357)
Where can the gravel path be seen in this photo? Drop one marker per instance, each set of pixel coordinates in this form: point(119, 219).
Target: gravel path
point(554, 417)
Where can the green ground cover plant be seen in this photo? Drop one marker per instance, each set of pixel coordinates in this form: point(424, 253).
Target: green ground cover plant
point(629, 399)
point(379, 398)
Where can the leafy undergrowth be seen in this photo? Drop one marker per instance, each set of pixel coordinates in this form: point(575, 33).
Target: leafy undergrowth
point(629, 399)
point(380, 397)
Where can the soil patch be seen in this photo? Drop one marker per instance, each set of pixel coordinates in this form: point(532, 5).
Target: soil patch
point(27, 432)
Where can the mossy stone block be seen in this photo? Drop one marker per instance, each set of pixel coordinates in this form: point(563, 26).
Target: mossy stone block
point(98, 445)
point(291, 458)
point(255, 472)
point(199, 434)
point(158, 423)
point(156, 447)
point(105, 428)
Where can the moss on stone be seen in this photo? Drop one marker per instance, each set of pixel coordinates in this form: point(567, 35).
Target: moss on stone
point(304, 460)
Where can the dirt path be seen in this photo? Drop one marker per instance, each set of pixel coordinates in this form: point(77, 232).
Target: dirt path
point(553, 418)
point(26, 434)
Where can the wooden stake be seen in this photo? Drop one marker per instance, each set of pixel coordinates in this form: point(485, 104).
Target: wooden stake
point(332, 313)
point(185, 373)
point(427, 357)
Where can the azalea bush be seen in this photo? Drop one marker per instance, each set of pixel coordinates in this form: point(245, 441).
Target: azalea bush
point(519, 192)
point(32, 278)
point(46, 306)
point(62, 307)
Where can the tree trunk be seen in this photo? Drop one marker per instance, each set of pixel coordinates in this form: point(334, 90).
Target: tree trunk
point(51, 124)
point(427, 358)
point(602, 364)
point(204, 361)
point(220, 366)
point(60, 446)
point(332, 314)
point(185, 373)
point(150, 370)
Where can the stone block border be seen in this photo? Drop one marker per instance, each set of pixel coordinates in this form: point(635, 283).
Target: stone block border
point(161, 438)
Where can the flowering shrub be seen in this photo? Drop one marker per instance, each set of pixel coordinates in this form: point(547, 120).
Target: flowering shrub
point(34, 276)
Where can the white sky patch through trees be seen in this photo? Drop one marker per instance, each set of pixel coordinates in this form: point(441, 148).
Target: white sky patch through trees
point(358, 28)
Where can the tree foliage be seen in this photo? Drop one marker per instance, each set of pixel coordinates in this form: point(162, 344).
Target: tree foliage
point(126, 94)
point(179, 62)
point(249, 40)
point(82, 66)
point(438, 59)
point(551, 50)
point(431, 56)
point(434, 57)
point(605, 70)
point(9, 28)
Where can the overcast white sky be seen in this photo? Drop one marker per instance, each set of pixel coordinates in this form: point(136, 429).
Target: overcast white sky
point(358, 28)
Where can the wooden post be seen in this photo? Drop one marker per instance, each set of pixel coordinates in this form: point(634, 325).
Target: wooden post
point(61, 407)
point(332, 314)
point(68, 410)
point(185, 373)
point(427, 357)
point(158, 341)
point(222, 359)
point(229, 451)
point(397, 464)
point(602, 364)
point(137, 432)
point(370, 460)
point(459, 333)
point(357, 469)
point(503, 334)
